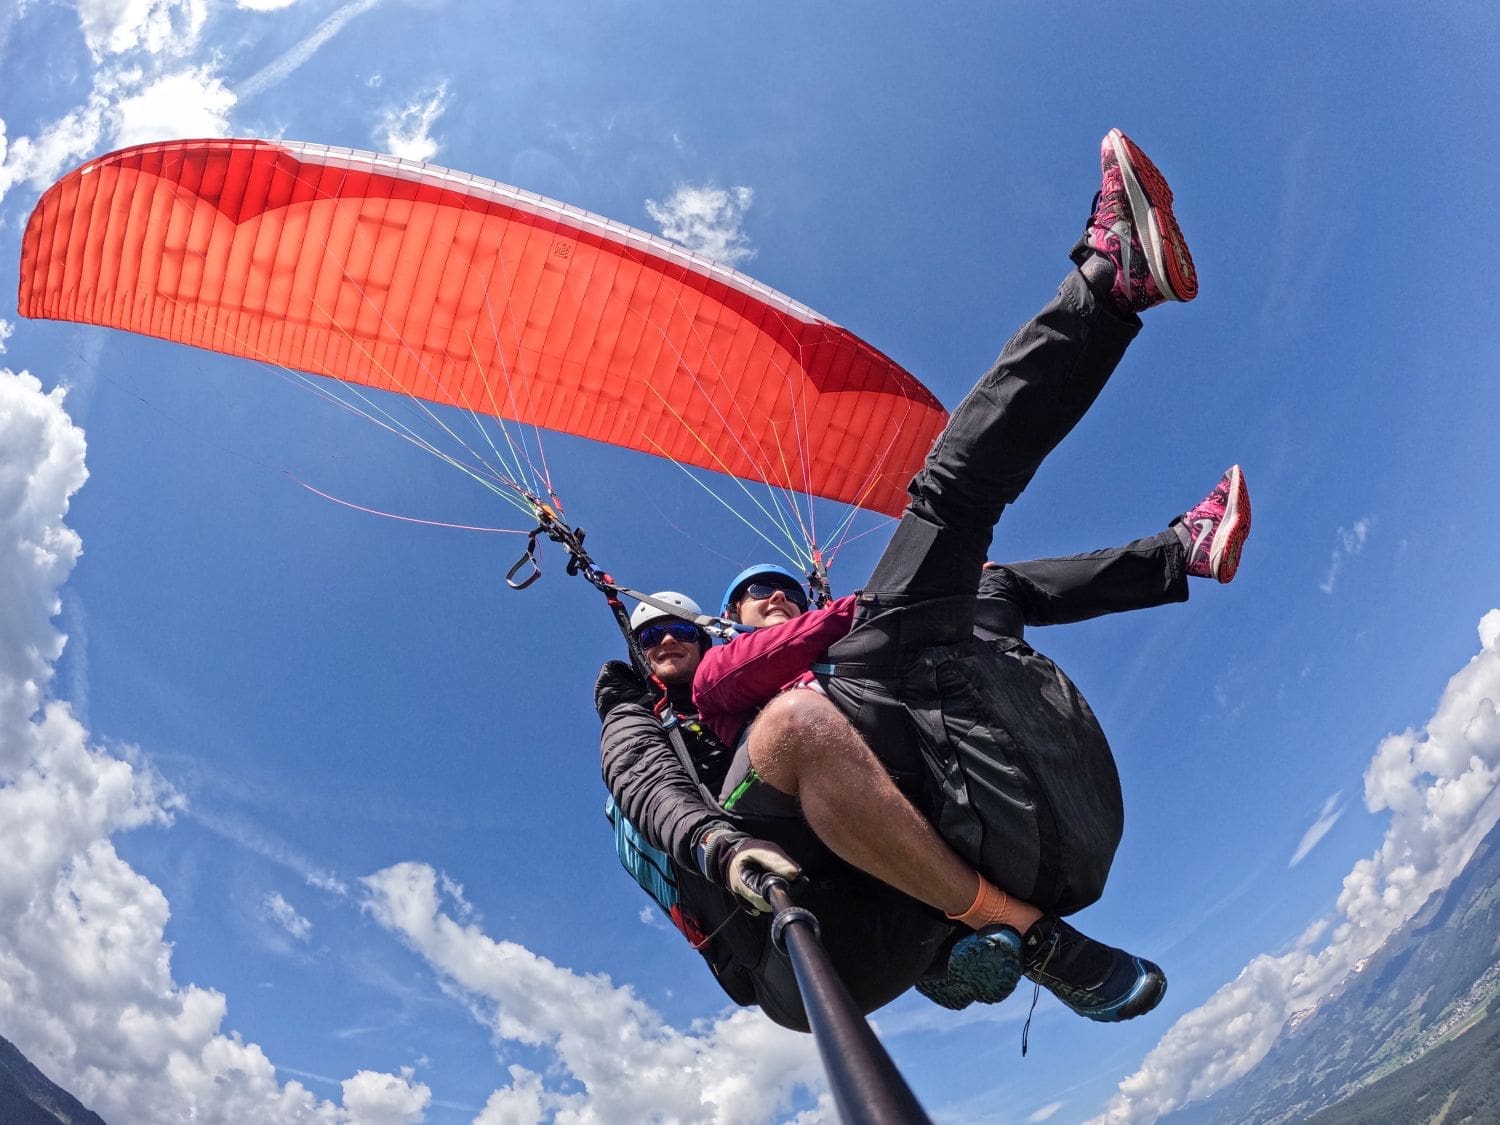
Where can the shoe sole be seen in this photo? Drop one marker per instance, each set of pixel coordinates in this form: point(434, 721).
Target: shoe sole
point(989, 974)
point(1167, 254)
point(945, 993)
point(1233, 530)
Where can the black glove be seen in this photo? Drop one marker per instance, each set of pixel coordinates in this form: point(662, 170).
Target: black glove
point(619, 683)
point(728, 857)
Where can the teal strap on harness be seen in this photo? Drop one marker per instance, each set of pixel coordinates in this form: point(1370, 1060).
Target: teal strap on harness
point(649, 866)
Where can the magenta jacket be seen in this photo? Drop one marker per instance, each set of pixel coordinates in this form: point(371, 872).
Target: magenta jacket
point(738, 679)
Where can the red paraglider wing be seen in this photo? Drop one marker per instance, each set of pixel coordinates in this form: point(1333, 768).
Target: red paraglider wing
point(458, 290)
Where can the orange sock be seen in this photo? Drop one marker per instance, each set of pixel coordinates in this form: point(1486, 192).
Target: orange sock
point(988, 908)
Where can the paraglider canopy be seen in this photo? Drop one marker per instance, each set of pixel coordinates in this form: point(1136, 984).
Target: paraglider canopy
point(461, 291)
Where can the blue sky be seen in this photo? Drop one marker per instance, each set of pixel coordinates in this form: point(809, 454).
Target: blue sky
point(303, 822)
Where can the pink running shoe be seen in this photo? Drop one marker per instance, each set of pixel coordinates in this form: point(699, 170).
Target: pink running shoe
point(1132, 225)
point(1218, 527)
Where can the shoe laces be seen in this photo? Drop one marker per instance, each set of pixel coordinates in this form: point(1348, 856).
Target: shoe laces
point(1046, 950)
point(1036, 991)
point(1091, 223)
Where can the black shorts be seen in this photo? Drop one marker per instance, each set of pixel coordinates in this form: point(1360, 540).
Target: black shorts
point(879, 940)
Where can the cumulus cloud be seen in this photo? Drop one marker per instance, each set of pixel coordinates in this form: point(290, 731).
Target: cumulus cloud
point(373, 1098)
point(1333, 808)
point(188, 103)
point(1351, 542)
point(85, 969)
point(113, 27)
point(141, 90)
point(630, 1064)
point(7, 329)
point(706, 219)
point(41, 469)
point(40, 160)
point(127, 105)
point(1440, 786)
point(406, 130)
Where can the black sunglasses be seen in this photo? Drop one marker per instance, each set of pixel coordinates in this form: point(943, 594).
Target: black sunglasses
point(762, 590)
point(649, 636)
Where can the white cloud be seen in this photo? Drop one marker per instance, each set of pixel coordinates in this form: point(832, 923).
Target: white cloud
point(631, 1066)
point(140, 95)
point(706, 219)
point(264, 5)
point(520, 1103)
point(278, 910)
point(1440, 785)
point(7, 329)
point(1329, 816)
point(1047, 1112)
point(85, 969)
point(189, 103)
point(42, 467)
point(406, 130)
point(113, 27)
point(86, 972)
point(127, 105)
point(385, 1099)
point(1351, 542)
point(39, 161)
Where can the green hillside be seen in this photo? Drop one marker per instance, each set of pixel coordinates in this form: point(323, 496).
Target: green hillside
point(1454, 1084)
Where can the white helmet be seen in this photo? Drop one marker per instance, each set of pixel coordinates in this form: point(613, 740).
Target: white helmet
point(645, 613)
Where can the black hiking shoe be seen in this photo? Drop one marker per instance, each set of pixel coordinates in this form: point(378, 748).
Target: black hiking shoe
point(1097, 981)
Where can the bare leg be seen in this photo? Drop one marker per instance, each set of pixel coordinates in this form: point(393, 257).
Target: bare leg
point(803, 745)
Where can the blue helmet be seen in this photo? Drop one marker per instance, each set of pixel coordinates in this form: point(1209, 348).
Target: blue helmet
point(742, 579)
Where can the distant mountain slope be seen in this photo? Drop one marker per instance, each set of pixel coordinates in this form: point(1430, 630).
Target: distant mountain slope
point(29, 1097)
point(1435, 976)
point(1456, 1082)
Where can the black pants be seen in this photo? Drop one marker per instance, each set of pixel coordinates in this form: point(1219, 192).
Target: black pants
point(1140, 575)
point(991, 740)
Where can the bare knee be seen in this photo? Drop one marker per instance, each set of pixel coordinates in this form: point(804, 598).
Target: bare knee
point(799, 732)
point(798, 715)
